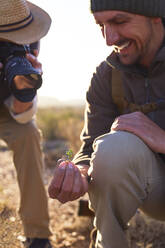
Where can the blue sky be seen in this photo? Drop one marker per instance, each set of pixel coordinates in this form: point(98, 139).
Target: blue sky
point(71, 50)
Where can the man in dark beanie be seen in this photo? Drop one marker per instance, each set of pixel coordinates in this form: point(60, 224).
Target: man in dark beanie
point(123, 149)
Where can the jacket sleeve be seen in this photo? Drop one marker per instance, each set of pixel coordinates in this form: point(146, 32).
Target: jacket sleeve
point(100, 112)
point(24, 117)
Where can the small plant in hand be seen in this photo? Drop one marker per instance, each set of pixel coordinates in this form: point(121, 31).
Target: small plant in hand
point(68, 156)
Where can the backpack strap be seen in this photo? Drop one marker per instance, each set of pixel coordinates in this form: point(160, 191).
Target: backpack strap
point(118, 91)
point(121, 102)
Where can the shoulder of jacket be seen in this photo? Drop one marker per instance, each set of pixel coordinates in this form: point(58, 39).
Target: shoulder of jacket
point(104, 68)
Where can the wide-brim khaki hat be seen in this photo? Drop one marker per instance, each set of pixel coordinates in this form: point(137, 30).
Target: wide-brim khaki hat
point(22, 22)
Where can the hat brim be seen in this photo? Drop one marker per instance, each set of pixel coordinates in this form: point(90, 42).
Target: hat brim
point(33, 32)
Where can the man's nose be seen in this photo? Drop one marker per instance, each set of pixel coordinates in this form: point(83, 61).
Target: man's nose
point(111, 35)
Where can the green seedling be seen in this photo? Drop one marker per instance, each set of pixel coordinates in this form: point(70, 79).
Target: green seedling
point(69, 155)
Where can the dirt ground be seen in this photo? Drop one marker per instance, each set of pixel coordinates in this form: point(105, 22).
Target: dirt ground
point(69, 229)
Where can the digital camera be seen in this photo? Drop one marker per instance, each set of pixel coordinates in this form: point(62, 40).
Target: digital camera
point(15, 63)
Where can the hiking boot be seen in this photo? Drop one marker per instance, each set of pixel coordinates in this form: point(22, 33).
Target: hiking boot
point(37, 243)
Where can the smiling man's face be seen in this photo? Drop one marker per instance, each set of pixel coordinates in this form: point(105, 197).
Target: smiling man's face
point(132, 36)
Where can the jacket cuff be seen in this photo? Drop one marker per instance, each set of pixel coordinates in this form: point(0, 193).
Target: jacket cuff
point(22, 117)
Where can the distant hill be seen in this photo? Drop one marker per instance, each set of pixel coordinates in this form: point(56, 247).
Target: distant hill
point(44, 101)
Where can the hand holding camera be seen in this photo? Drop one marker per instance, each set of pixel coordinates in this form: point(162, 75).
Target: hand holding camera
point(21, 70)
point(22, 82)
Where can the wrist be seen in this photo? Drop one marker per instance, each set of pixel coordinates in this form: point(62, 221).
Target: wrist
point(20, 107)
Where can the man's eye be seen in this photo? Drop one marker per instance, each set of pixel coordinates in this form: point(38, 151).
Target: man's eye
point(120, 22)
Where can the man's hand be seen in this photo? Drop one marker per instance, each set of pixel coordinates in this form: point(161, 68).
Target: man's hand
point(144, 128)
point(69, 182)
point(22, 82)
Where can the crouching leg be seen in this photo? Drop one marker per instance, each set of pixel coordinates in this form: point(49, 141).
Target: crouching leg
point(122, 179)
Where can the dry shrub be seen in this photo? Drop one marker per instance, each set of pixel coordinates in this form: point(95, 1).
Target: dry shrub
point(62, 123)
point(71, 130)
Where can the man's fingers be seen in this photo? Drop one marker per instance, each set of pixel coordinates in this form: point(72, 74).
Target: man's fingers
point(67, 185)
point(78, 189)
point(60, 161)
point(56, 184)
point(36, 52)
point(35, 63)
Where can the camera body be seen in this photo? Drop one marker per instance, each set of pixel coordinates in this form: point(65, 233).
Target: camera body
point(15, 63)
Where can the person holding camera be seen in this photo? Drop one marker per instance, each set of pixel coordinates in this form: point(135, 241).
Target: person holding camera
point(121, 162)
point(22, 25)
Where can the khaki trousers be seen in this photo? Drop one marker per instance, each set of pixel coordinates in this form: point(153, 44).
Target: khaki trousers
point(24, 141)
point(127, 175)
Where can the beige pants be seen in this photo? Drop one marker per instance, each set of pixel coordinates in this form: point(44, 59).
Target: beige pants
point(127, 175)
point(24, 141)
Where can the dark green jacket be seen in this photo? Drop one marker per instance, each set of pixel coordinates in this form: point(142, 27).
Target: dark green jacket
point(141, 86)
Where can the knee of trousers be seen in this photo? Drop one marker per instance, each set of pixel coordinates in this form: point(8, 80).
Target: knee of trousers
point(26, 133)
point(120, 156)
point(30, 130)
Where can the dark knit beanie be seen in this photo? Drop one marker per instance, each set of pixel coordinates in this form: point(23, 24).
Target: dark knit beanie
point(154, 8)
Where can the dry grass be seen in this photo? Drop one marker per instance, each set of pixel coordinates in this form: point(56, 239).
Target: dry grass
point(62, 124)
